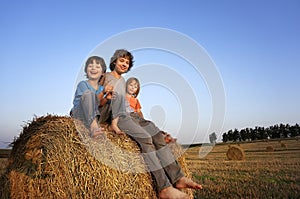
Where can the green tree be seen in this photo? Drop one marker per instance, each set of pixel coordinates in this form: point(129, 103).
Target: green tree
point(213, 138)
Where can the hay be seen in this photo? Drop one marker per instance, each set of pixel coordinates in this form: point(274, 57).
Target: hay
point(269, 149)
point(51, 160)
point(283, 145)
point(235, 153)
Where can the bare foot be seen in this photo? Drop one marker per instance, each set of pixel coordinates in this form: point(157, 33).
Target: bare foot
point(185, 182)
point(116, 129)
point(110, 128)
point(172, 193)
point(95, 130)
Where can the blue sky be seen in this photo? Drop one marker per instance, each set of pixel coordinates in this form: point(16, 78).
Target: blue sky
point(254, 45)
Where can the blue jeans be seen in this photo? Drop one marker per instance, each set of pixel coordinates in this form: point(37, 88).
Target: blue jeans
point(156, 153)
point(87, 110)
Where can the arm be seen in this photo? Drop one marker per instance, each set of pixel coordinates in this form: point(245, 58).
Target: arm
point(81, 88)
point(102, 98)
point(138, 108)
point(139, 112)
point(105, 95)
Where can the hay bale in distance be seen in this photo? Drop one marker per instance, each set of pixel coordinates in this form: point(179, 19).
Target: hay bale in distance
point(51, 160)
point(269, 149)
point(235, 153)
point(283, 145)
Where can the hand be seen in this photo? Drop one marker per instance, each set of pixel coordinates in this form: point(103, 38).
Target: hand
point(108, 88)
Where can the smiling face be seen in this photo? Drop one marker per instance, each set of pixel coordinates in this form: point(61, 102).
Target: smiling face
point(122, 65)
point(132, 87)
point(94, 70)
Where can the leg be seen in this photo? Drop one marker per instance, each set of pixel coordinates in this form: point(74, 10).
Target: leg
point(87, 112)
point(148, 150)
point(168, 161)
point(95, 130)
point(105, 113)
point(144, 140)
point(115, 127)
point(166, 157)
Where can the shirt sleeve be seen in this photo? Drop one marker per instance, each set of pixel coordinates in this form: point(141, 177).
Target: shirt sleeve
point(81, 88)
point(100, 89)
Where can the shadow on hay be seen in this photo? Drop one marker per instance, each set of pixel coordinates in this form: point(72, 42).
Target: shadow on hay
point(50, 160)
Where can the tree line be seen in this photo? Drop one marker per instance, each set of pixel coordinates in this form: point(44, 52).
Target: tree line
point(262, 133)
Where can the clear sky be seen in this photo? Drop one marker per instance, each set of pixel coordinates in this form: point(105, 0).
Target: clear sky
point(253, 44)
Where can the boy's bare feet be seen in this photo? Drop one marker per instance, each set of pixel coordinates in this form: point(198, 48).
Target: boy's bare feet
point(95, 130)
point(172, 193)
point(109, 128)
point(185, 182)
point(116, 129)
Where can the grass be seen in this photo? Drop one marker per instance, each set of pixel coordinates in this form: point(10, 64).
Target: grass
point(261, 175)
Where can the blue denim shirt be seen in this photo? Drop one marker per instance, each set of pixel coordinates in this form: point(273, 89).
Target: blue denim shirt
point(81, 88)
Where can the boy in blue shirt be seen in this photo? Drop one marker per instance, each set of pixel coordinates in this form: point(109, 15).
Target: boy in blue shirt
point(86, 102)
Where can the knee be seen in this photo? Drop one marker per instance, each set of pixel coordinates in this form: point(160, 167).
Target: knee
point(146, 144)
point(159, 139)
point(87, 94)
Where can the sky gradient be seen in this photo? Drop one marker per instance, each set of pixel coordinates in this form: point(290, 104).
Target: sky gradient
point(253, 44)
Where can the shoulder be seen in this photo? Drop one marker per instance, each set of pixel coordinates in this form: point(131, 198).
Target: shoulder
point(138, 104)
point(83, 82)
point(108, 75)
point(82, 85)
point(108, 78)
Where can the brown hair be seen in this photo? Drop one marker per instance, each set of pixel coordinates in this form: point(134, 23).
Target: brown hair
point(99, 60)
point(121, 53)
point(131, 79)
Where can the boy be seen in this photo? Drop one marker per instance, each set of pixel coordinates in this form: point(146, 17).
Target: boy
point(157, 155)
point(85, 103)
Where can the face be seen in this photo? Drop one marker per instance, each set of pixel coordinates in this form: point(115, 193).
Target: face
point(122, 65)
point(132, 87)
point(94, 70)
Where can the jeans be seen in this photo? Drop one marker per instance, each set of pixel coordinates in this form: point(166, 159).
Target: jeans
point(156, 153)
point(87, 110)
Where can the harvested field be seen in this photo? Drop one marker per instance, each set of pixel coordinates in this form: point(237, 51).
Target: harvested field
point(260, 175)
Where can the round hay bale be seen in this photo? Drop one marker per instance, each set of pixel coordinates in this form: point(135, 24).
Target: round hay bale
point(269, 149)
point(51, 160)
point(283, 145)
point(235, 153)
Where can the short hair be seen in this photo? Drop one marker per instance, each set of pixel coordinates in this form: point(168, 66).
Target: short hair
point(99, 60)
point(121, 53)
point(131, 79)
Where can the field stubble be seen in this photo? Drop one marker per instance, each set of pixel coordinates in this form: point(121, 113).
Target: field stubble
point(261, 175)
